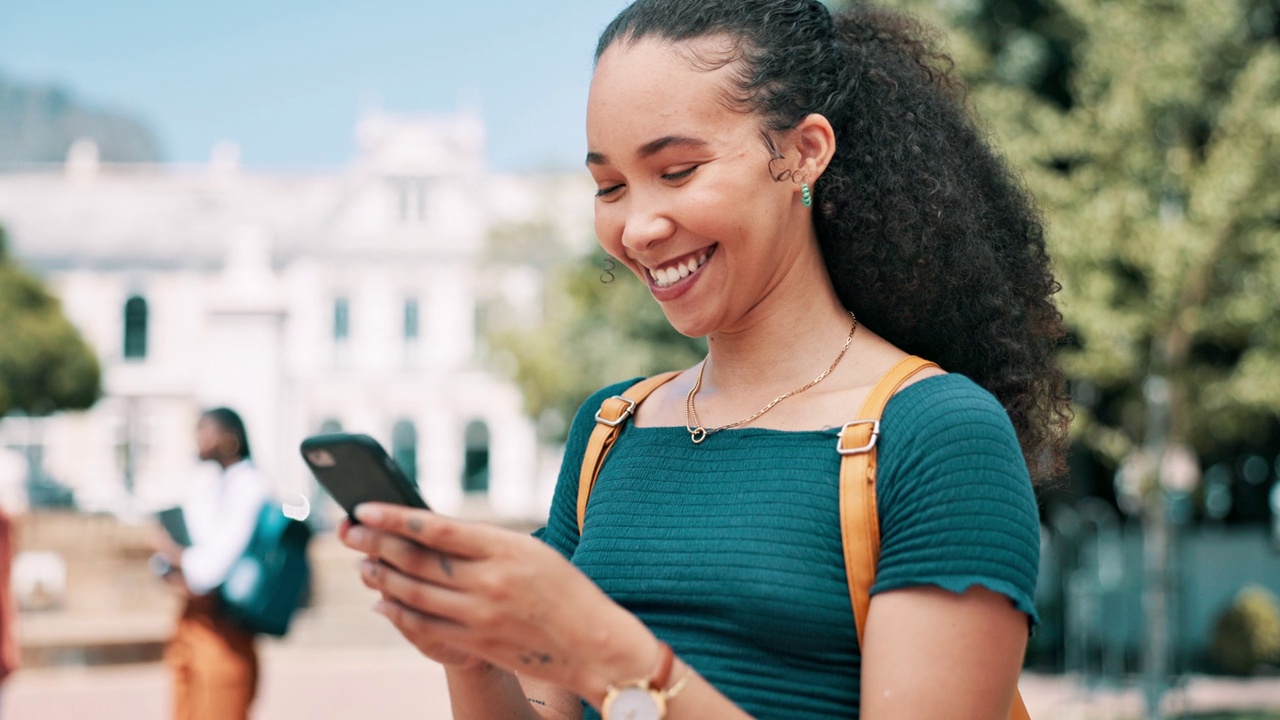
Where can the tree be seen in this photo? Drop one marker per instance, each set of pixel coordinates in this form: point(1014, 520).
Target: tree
point(1156, 170)
point(1148, 132)
point(45, 365)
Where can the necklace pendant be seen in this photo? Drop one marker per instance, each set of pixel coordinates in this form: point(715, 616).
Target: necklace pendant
point(698, 434)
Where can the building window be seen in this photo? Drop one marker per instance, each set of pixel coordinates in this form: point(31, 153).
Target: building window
point(412, 196)
point(404, 448)
point(411, 320)
point(475, 464)
point(341, 319)
point(135, 328)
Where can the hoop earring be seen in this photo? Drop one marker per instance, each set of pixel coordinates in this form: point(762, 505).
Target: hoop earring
point(806, 197)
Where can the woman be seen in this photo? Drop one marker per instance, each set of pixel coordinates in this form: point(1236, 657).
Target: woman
point(809, 193)
point(214, 662)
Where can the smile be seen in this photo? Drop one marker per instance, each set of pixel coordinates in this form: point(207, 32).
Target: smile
point(671, 273)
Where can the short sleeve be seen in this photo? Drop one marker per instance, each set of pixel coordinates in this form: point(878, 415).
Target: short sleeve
point(954, 496)
point(561, 530)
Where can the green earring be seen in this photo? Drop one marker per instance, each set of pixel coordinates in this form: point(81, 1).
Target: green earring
point(806, 197)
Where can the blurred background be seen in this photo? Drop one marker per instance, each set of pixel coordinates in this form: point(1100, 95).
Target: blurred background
point(374, 218)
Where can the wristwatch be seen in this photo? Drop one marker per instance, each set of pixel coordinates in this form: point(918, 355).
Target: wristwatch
point(646, 698)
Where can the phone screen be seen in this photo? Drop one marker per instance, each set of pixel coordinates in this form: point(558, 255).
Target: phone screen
point(355, 469)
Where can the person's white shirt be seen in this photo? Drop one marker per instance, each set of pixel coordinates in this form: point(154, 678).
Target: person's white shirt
point(220, 513)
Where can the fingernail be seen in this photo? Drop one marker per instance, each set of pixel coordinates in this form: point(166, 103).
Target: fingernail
point(357, 536)
point(383, 608)
point(368, 514)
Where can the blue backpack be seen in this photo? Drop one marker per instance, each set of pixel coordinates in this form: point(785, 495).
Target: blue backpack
point(267, 584)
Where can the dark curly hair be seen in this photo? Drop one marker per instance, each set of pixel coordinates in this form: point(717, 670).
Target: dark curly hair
point(926, 233)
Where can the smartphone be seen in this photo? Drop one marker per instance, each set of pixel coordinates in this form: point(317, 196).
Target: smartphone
point(354, 469)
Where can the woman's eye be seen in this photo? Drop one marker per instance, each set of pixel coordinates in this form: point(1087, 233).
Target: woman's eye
point(680, 175)
point(607, 191)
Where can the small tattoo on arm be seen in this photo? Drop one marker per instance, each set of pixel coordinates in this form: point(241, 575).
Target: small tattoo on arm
point(536, 701)
point(445, 566)
point(415, 525)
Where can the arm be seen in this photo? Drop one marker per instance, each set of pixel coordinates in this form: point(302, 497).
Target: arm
point(470, 595)
point(488, 692)
point(955, 581)
point(930, 653)
point(205, 564)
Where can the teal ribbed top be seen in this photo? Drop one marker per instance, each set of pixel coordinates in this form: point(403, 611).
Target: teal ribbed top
point(730, 550)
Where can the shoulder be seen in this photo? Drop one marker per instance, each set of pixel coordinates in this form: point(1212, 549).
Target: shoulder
point(245, 477)
point(585, 419)
point(954, 496)
point(944, 411)
point(946, 438)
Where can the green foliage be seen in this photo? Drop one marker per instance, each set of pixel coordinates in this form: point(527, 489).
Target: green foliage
point(1156, 171)
point(1247, 634)
point(45, 365)
point(595, 334)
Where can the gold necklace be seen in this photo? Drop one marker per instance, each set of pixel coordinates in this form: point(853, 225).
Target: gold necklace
point(697, 433)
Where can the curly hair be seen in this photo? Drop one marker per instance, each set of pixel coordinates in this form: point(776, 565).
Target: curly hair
point(925, 231)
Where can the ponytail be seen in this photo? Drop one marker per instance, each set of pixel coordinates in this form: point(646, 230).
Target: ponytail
point(930, 238)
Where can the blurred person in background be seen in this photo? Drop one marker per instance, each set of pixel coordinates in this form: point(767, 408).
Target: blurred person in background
point(214, 662)
point(9, 647)
point(775, 175)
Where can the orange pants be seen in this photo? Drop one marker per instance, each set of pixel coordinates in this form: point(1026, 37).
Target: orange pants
point(214, 663)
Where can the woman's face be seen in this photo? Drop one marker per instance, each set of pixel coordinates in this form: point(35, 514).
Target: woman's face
point(686, 199)
point(211, 439)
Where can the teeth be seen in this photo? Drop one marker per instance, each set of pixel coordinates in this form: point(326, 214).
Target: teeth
point(666, 277)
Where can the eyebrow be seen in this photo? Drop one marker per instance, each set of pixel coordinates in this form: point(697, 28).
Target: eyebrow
point(652, 148)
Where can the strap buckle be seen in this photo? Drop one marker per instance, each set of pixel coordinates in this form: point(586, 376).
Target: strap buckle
point(622, 415)
point(875, 435)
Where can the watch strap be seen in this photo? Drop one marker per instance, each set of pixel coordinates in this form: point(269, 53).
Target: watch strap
point(662, 673)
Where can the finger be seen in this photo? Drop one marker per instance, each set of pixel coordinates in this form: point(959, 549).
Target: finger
point(409, 557)
point(416, 625)
point(448, 535)
point(344, 526)
point(433, 600)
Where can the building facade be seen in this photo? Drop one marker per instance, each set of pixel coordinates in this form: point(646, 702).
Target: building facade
point(308, 301)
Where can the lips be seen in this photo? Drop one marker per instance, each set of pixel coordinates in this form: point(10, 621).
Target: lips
point(670, 273)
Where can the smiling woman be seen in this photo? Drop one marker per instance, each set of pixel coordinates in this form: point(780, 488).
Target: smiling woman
point(809, 193)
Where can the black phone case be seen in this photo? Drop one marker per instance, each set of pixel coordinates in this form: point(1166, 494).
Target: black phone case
point(361, 472)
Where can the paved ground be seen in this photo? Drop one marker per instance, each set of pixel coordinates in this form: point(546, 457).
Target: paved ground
point(298, 683)
point(392, 683)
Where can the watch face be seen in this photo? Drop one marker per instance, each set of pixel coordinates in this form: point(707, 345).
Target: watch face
point(633, 703)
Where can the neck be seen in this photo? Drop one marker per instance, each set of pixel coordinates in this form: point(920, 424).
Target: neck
point(789, 338)
point(228, 461)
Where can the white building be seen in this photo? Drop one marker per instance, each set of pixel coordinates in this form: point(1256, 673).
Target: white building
point(308, 301)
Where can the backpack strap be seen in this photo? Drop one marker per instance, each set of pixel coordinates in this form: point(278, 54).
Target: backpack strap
point(612, 415)
point(859, 522)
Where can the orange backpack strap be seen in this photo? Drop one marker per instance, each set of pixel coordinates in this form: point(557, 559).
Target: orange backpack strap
point(859, 522)
point(613, 414)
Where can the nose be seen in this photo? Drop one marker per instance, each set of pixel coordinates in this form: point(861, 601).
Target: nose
point(647, 223)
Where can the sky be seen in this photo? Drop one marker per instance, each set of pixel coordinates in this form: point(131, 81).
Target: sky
point(287, 79)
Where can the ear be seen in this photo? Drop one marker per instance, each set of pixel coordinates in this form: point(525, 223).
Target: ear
point(815, 141)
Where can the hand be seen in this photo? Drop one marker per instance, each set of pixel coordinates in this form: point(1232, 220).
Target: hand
point(163, 544)
point(468, 592)
point(442, 653)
